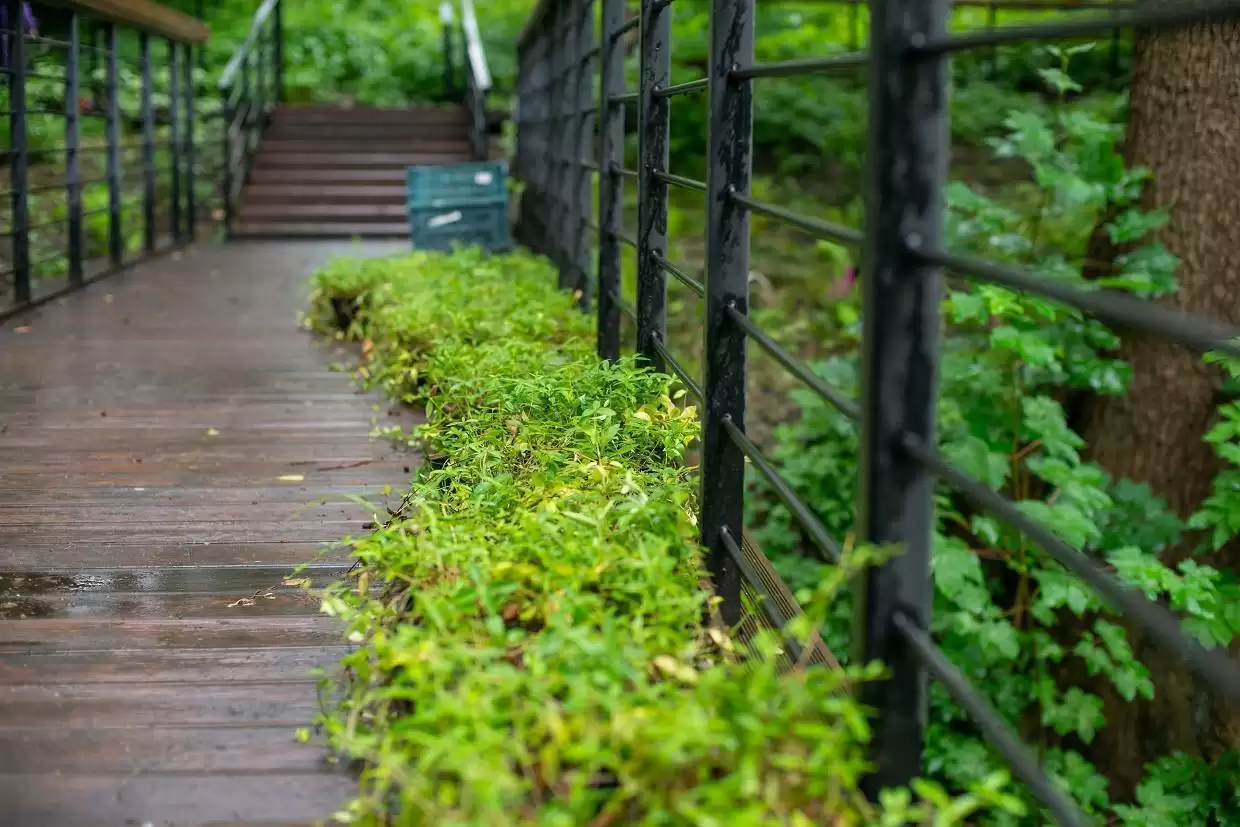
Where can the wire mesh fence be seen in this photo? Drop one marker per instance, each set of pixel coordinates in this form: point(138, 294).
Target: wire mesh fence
point(572, 104)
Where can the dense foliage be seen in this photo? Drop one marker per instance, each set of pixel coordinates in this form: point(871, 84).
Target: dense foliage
point(530, 623)
point(1008, 615)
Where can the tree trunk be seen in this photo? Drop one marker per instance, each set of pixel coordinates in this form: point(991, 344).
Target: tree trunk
point(1183, 126)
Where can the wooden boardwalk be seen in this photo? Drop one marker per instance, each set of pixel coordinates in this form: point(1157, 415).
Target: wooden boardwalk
point(161, 434)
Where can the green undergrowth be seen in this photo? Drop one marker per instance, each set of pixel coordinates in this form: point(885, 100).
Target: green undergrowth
point(531, 646)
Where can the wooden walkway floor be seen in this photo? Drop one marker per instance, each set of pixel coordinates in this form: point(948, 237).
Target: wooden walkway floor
point(161, 434)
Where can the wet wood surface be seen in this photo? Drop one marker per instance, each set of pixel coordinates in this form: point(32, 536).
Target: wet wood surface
point(171, 447)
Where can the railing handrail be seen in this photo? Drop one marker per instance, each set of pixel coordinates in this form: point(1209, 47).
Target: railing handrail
point(143, 15)
point(474, 49)
point(239, 56)
point(568, 55)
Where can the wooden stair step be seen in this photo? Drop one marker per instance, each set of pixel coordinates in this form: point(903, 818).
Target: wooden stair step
point(347, 130)
point(321, 229)
point(356, 115)
point(322, 212)
point(339, 146)
point(326, 193)
point(355, 160)
point(313, 176)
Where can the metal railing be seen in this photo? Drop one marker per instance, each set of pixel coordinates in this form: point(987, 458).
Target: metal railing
point(251, 86)
point(477, 74)
point(565, 135)
point(99, 175)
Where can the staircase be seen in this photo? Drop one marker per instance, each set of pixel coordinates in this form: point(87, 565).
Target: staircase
point(333, 171)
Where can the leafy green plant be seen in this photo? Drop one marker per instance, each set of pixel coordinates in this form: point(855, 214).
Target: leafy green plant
point(531, 642)
point(1011, 618)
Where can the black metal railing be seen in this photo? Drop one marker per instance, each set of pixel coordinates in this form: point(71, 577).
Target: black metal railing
point(250, 87)
point(476, 72)
point(565, 134)
point(100, 152)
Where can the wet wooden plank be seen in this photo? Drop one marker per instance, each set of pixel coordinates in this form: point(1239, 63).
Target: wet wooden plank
point(155, 749)
point(196, 579)
point(34, 557)
point(52, 635)
point(267, 601)
point(146, 675)
point(169, 800)
point(291, 703)
point(265, 662)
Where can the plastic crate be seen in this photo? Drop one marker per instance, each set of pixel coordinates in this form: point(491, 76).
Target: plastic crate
point(459, 204)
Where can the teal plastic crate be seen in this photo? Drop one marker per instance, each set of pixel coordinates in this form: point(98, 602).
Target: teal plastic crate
point(459, 204)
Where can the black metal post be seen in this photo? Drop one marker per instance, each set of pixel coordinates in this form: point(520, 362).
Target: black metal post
point(277, 57)
point(582, 130)
point(611, 184)
point(191, 209)
point(245, 102)
point(116, 238)
point(19, 155)
point(520, 114)
point(73, 143)
point(654, 122)
point(446, 17)
point(228, 115)
point(544, 145)
point(201, 13)
point(906, 177)
point(260, 76)
point(561, 140)
point(174, 135)
point(992, 20)
point(729, 160)
point(533, 146)
point(148, 145)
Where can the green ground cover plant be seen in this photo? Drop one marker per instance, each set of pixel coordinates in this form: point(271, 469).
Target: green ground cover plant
point(531, 646)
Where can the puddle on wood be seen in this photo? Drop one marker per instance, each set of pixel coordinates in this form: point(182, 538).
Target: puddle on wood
point(20, 608)
point(14, 584)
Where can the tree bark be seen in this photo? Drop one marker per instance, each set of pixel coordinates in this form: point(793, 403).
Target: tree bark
point(1183, 126)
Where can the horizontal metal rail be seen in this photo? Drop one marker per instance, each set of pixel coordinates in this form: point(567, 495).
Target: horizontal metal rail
point(816, 226)
point(1156, 17)
point(1023, 763)
point(899, 468)
point(1189, 329)
point(677, 368)
point(801, 512)
point(680, 275)
point(679, 181)
point(805, 66)
point(794, 366)
point(686, 88)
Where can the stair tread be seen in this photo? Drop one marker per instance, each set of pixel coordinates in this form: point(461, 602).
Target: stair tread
point(327, 229)
point(334, 146)
point(324, 212)
point(355, 159)
point(329, 192)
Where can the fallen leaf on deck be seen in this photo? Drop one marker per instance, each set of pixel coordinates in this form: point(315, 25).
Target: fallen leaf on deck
point(245, 601)
point(212, 432)
point(292, 477)
point(296, 581)
point(23, 329)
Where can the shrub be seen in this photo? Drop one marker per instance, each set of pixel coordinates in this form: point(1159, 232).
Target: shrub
point(532, 648)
